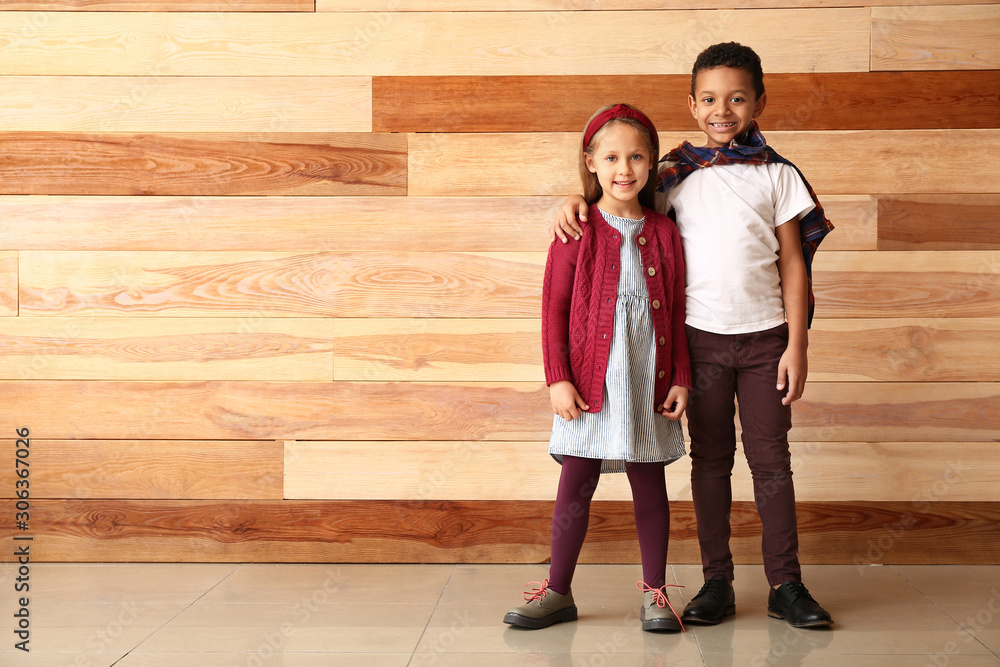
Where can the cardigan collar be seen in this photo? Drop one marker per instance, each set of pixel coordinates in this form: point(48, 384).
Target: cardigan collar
point(604, 228)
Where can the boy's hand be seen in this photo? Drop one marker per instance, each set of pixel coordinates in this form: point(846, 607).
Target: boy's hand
point(566, 400)
point(677, 398)
point(792, 370)
point(565, 222)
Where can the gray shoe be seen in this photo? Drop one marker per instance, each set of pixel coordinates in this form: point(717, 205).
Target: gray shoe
point(657, 615)
point(544, 607)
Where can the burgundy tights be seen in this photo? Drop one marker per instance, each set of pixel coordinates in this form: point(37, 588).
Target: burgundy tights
point(577, 484)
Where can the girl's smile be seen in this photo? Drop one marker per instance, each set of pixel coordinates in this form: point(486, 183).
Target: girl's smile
point(621, 160)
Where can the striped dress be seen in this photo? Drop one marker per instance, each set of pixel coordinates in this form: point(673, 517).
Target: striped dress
point(626, 428)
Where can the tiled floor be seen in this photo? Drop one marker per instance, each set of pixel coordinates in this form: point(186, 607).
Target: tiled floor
point(191, 615)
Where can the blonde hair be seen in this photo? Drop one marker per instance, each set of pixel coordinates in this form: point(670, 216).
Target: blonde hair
point(592, 190)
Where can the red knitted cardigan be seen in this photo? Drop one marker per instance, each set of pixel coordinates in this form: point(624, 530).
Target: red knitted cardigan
point(579, 294)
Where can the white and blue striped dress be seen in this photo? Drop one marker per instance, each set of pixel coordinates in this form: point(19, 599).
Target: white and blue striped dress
point(626, 428)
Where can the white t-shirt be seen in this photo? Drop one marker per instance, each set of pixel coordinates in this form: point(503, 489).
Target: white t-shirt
point(727, 217)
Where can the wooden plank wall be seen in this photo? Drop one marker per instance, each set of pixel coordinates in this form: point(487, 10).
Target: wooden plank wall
point(270, 271)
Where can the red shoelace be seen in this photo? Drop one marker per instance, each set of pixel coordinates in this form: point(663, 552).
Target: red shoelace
point(537, 593)
point(660, 598)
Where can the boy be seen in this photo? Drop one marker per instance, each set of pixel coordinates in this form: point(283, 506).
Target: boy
point(749, 225)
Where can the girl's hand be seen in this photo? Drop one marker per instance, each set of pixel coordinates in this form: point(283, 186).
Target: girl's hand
point(792, 370)
point(566, 400)
point(677, 398)
point(565, 222)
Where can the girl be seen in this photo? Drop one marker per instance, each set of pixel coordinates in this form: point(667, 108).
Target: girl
point(616, 362)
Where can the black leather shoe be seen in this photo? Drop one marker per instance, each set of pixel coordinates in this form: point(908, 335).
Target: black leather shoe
point(791, 601)
point(713, 602)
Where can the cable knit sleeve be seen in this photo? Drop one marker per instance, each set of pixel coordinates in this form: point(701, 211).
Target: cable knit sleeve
point(681, 357)
point(557, 297)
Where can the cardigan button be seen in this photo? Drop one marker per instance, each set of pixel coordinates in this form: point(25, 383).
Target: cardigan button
point(651, 271)
point(662, 341)
point(660, 374)
point(656, 304)
point(642, 240)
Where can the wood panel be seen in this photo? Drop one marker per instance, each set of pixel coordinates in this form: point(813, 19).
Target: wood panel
point(799, 101)
point(545, 163)
point(95, 348)
point(855, 218)
point(824, 471)
point(417, 224)
point(939, 222)
point(897, 412)
point(848, 350)
point(186, 104)
point(906, 284)
point(487, 532)
point(8, 283)
point(271, 271)
point(491, 285)
point(935, 38)
point(152, 469)
point(447, 224)
point(161, 5)
point(279, 410)
point(281, 284)
point(590, 5)
point(52, 163)
point(829, 412)
point(418, 43)
point(901, 350)
point(377, 349)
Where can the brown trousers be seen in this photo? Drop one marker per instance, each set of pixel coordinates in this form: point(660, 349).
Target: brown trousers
point(744, 366)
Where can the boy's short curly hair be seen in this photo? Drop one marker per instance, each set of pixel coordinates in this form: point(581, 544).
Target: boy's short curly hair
point(730, 54)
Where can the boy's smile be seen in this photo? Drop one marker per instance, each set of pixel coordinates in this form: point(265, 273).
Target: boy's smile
point(725, 103)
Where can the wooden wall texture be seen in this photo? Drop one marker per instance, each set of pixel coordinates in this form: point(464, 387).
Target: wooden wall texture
point(270, 270)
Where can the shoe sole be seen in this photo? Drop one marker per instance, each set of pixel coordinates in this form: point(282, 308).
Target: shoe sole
point(561, 616)
point(659, 624)
point(811, 624)
point(701, 620)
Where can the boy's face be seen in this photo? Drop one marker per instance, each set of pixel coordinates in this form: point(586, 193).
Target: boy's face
point(724, 103)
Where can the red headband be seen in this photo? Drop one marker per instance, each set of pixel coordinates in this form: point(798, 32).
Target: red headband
point(619, 111)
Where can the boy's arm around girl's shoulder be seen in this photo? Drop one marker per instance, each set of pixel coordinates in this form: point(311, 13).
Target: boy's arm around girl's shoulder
point(557, 298)
point(566, 223)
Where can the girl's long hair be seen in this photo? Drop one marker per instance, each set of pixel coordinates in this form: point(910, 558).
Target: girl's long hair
point(592, 190)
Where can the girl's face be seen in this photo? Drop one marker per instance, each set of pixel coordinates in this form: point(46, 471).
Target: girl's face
point(621, 160)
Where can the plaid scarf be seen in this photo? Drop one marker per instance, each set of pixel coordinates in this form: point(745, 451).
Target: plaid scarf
point(813, 227)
